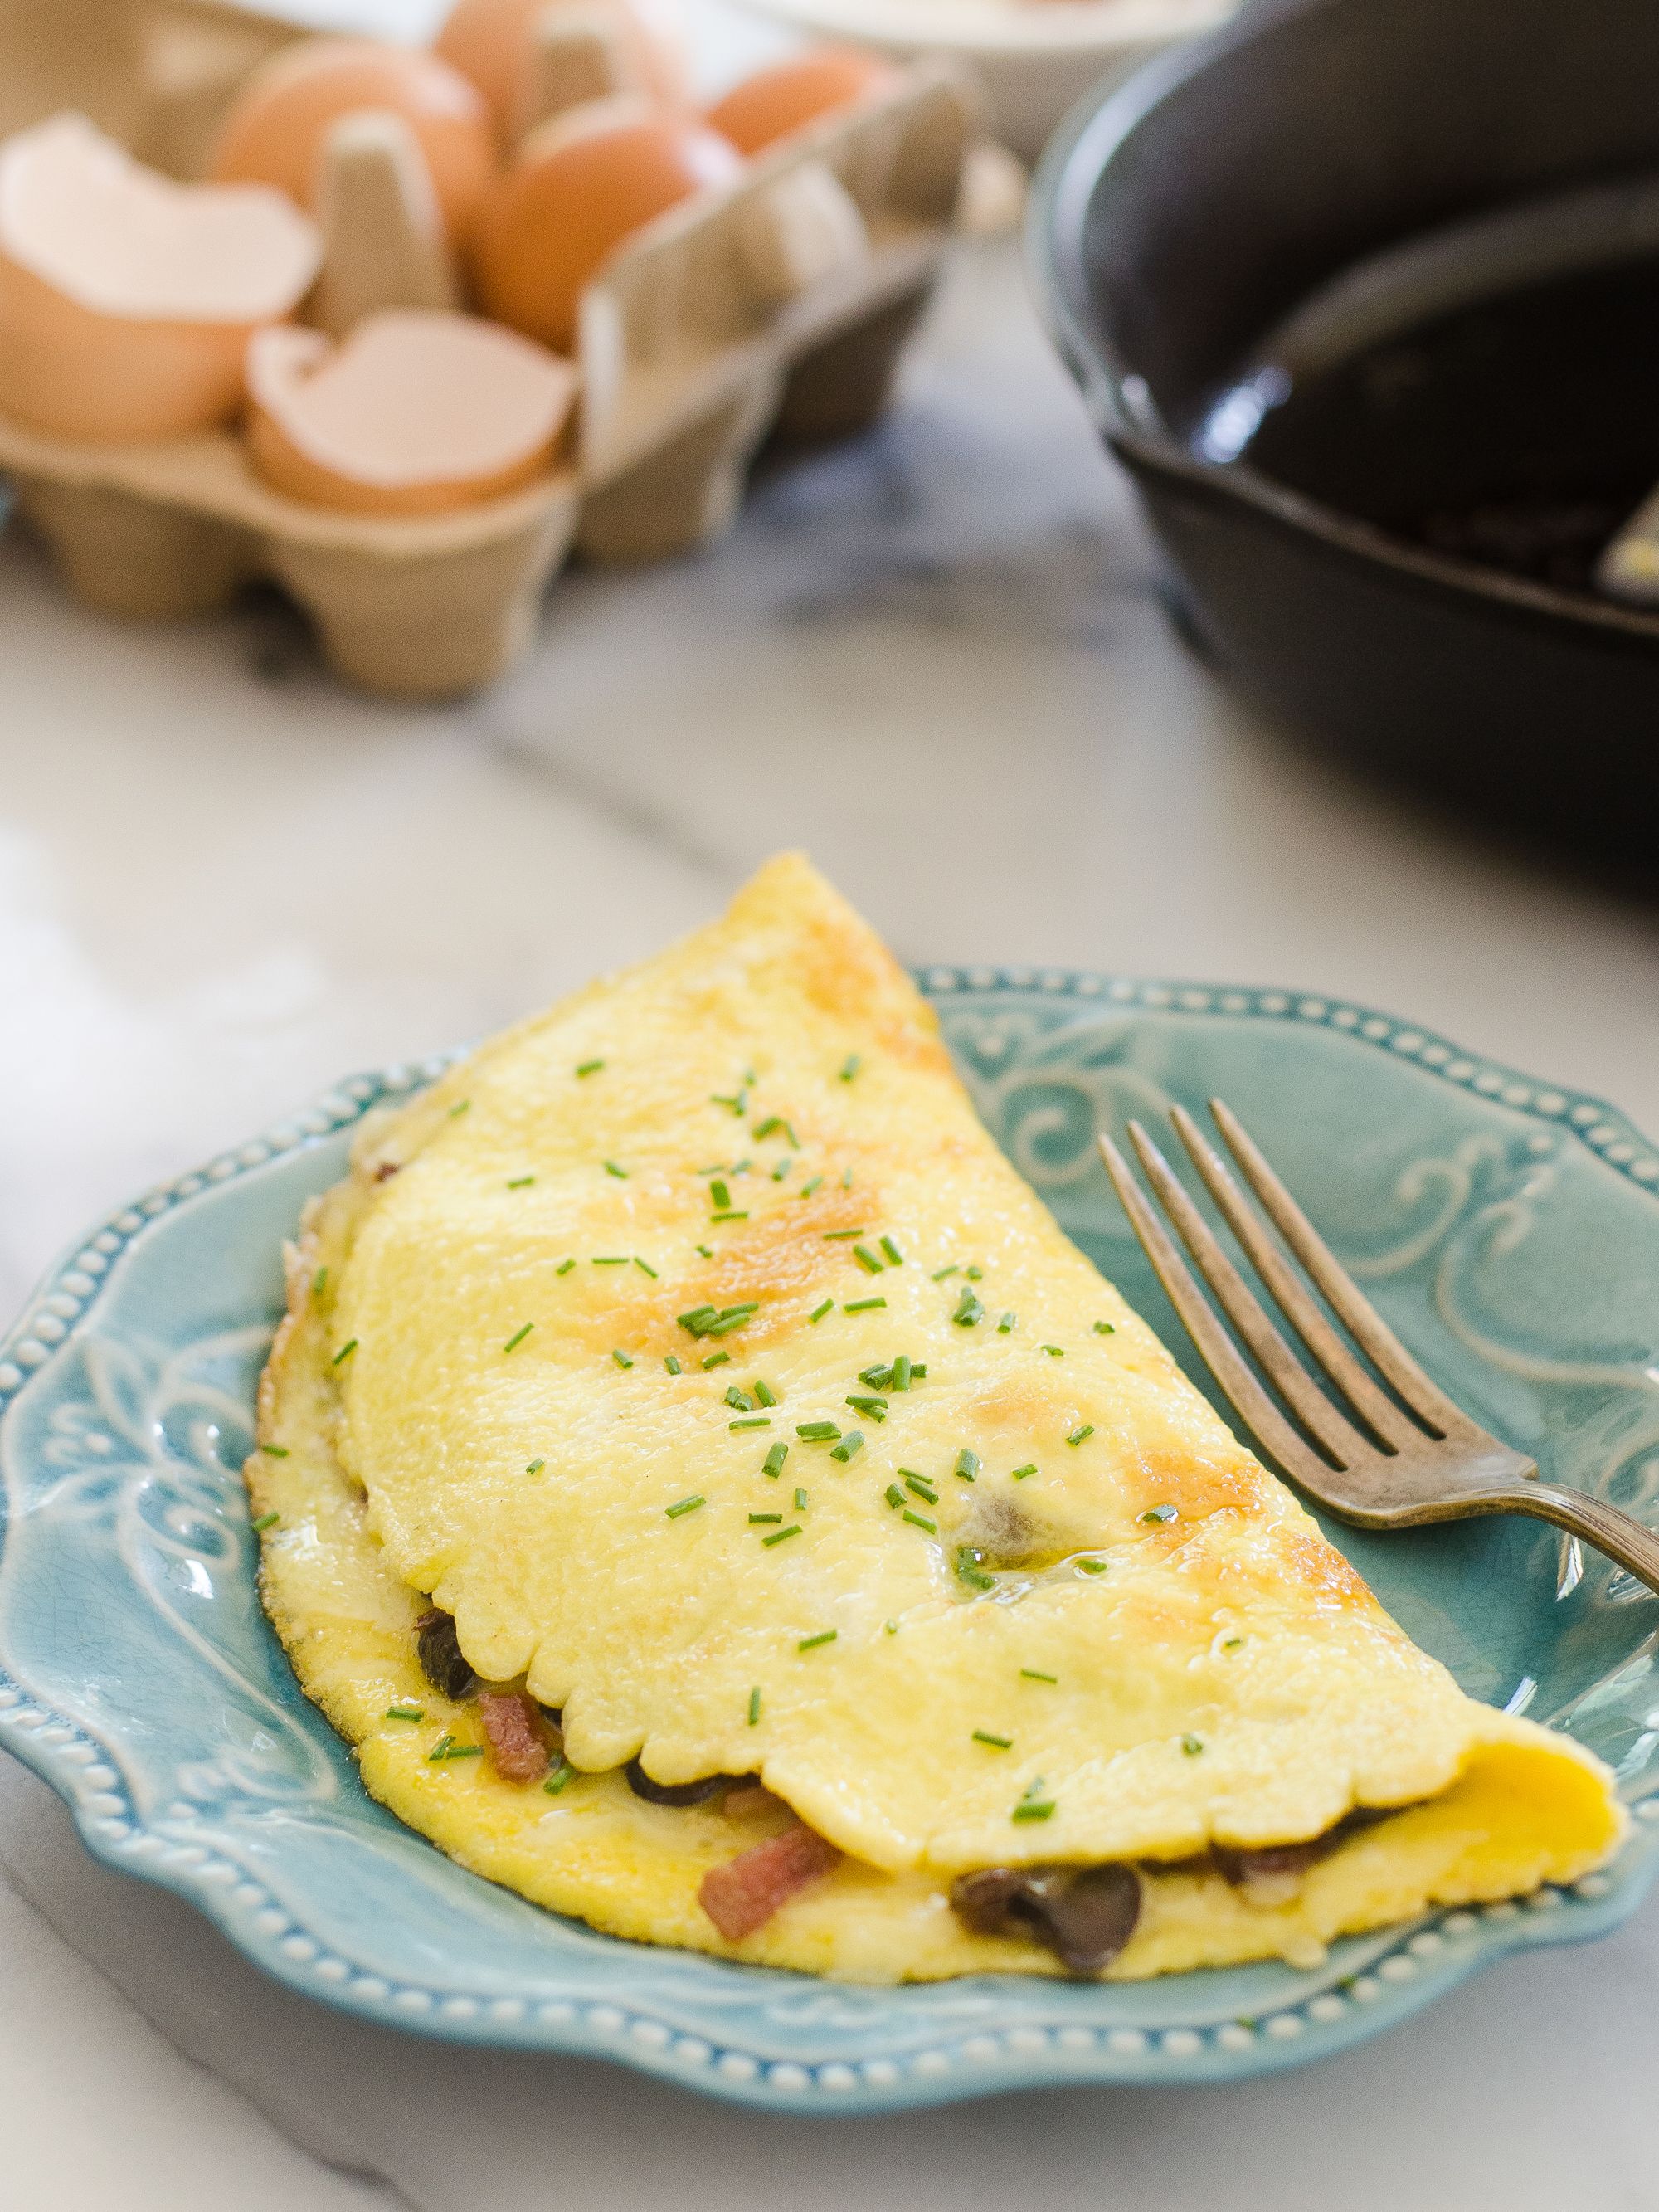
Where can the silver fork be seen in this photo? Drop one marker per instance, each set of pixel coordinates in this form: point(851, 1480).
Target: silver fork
point(1378, 1461)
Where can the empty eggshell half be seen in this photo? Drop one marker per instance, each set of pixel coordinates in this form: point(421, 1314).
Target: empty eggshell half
point(418, 411)
point(492, 42)
point(126, 299)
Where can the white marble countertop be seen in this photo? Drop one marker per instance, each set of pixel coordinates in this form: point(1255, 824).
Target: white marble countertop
point(937, 659)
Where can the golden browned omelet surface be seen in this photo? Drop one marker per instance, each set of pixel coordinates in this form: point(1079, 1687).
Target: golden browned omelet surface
point(1072, 1618)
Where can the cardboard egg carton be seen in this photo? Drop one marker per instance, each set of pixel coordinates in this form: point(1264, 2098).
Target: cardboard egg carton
point(777, 306)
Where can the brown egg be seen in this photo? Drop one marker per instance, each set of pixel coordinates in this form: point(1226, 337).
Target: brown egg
point(785, 98)
point(582, 186)
point(489, 42)
point(275, 131)
point(418, 411)
point(126, 299)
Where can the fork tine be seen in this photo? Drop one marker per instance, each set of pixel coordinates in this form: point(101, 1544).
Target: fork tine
point(1324, 1422)
point(1361, 1319)
point(1379, 1410)
point(1239, 1385)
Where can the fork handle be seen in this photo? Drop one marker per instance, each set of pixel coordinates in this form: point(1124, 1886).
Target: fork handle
point(1634, 1547)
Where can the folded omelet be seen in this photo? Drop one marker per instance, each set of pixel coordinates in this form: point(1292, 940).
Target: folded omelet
point(716, 1501)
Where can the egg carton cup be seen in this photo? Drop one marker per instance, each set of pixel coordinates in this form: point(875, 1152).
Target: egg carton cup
point(778, 306)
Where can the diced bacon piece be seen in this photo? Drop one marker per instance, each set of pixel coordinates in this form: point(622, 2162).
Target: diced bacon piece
point(514, 1725)
point(742, 1895)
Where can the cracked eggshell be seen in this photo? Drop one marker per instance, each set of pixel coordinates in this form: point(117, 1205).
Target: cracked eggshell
point(126, 299)
point(491, 43)
point(277, 126)
point(581, 185)
point(418, 411)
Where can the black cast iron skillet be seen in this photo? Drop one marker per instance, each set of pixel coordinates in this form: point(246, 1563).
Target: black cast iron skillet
point(1184, 217)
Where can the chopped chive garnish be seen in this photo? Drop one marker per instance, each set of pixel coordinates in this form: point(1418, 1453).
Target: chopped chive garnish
point(611, 1260)
point(706, 1251)
point(877, 1377)
point(316, 1282)
point(921, 1520)
point(781, 1535)
point(976, 1274)
point(441, 1749)
point(566, 1268)
point(698, 1319)
point(753, 1707)
point(864, 1305)
point(811, 1643)
point(276, 1451)
point(1020, 1472)
point(818, 1312)
point(940, 1273)
point(1078, 1435)
point(800, 1501)
point(464, 1751)
point(894, 1496)
point(622, 1358)
point(734, 1316)
point(841, 1236)
point(890, 1627)
point(816, 1432)
point(455, 1110)
point(1192, 1745)
point(894, 1257)
point(344, 1352)
point(1105, 1329)
point(754, 1421)
point(1232, 1643)
point(737, 1101)
point(1054, 1352)
point(782, 1168)
point(774, 1121)
point(847, 1180)
point(1033, 1809)
point(1007, 1323)
point(756, 1519)
point(1036, 1674)
point(265, 1521)
point(867, 1259)
point(969, 1309)
point(405, 1713)
point(717, 1359)
point(875, 1409)
point(521, 1183)
point(807, 1189)
point(918, 1370)
point(764, 1394)
point(731, 1213)
point(590, 1067)
point(996, 1742)
point(739, 1400)
point(773, 1463)
point(849, 1067)
point(517, 1336)
point(850, 1443)
point(556, 1782)
point(902, 1372)
point(685, 1505)
point(719, 1193)
point(1091, 1566)
point(611, 1169)
point(921, 1487)
point(673, 1365)
point(1158, 1513)
point(536, 1466)
point(968, 1464)
point(645, 1266)
point(970, 1570)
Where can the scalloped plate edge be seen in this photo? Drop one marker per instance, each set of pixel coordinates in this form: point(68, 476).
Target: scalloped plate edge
point(1421, 1966)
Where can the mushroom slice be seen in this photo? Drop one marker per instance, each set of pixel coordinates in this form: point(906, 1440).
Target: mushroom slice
point(1084, 1915)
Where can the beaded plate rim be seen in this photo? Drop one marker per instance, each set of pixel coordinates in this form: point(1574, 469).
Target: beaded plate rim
point(1411, 1966)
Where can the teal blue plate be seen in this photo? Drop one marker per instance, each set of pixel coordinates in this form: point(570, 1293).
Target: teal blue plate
point(1510, 1231)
